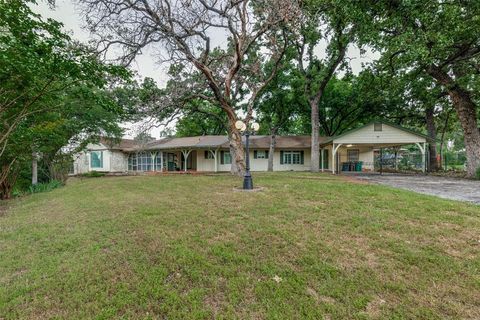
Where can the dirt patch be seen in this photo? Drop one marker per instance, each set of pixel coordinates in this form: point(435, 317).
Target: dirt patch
point(3, 208)
point(374, 307)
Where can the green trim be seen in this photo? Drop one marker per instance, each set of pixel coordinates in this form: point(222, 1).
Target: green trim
point(330, 139)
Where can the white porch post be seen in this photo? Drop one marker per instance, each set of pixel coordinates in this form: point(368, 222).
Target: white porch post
point(334, 155)
point(333, 158)
point(214, 153)
point(154, 165)
point(321, 157)
point(161, 161)
point(424, 157)
point(185, 158)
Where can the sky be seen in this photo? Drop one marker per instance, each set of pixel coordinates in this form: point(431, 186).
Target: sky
point(146, 65)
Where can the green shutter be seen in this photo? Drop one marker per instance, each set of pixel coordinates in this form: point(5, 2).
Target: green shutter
point(266, 154)
point(206, 154)
point(301, 157)
point(222, 161)
point(325, 159)
point(254, 154)
point(281, 157)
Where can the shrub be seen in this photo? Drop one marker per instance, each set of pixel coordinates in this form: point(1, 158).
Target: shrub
point(477, 173)
point(44, 187)
point(93, 174)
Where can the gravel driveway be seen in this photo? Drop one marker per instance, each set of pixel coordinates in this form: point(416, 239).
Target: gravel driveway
point(448, 188)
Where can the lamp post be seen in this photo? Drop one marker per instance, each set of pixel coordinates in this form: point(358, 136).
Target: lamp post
point(240, 125)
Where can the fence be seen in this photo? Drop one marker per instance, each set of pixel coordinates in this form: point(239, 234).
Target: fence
point(411, 160)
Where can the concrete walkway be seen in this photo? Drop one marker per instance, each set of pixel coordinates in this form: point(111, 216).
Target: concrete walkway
point(448, 188)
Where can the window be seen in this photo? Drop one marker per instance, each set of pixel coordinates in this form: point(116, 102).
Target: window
point(353, 155)
point(96, 159)
point(144, 161)
point(208, 154)
point(377, 126)
point(227, 158)
point(291, 157)
point(325, 158)
point(132, 162)
point(260, 154)
point(159, 162)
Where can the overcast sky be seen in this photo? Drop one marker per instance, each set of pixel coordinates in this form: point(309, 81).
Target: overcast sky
point(146, 64)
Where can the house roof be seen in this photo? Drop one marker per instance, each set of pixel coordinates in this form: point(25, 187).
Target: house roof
point(121, 144)
point(189, 142)
point(214, 142)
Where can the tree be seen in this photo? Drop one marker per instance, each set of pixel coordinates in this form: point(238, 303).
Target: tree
point(277, 107)
point(181, 31)
point(201, 118)
point(40, 69)
point(333, 22)
point(441, 39)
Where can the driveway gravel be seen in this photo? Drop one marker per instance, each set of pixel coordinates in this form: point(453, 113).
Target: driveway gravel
point(443, 187)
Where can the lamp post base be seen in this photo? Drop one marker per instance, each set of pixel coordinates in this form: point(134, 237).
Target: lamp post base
point(247, 181)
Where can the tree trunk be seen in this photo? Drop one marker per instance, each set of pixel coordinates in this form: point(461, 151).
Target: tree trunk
point(315, 146)
point(34, 168)
point(8, 177)
point(237, 150)
point(442, 139)
point(467, 115)
point(432, 134)
point(271, 150)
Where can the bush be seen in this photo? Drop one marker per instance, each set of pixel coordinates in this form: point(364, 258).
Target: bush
point(93, 174)
point(477, 173)
point(44, 187)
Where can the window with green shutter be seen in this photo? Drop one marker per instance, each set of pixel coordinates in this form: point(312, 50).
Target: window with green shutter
point(260, 154)
point(291, 157)
point(96, 159)
point(208, 154)
point(227, 158)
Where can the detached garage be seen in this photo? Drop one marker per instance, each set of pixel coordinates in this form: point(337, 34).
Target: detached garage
point(357, 147)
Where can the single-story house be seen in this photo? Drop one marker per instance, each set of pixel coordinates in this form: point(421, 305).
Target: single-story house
point(211, 153)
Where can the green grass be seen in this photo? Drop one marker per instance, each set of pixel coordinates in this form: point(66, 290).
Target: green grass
point(189, 247)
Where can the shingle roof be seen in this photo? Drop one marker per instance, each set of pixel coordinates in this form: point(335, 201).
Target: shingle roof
point(207, 142)
point(189, 142)
point(122, 144)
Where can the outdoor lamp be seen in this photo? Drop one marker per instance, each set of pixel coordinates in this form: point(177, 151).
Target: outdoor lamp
point(254, 127)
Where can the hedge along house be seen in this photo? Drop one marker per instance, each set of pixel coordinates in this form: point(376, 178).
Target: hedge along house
point(211, 153)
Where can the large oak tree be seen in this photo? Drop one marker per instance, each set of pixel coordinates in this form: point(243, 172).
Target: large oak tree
point(182, 31)
point(441, 39)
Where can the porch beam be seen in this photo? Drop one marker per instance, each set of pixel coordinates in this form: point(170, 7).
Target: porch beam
point(214, 153)
point(154, 164)
point(186, 153)
point(161, 161)
point(334, 155)
point(321, 157)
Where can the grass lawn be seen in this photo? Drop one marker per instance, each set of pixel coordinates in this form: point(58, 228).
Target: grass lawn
point(188, 247)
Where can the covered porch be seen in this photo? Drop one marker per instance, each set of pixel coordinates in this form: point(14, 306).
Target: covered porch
point(356, 149)
point(163, 160)
point(349, 157)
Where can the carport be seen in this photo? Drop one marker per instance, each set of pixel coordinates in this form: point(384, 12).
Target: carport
point(359, 145)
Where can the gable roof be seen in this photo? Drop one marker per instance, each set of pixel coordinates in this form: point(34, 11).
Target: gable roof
point(118, 144)
point(189, 142)
point(215, 142)
point(330, 139)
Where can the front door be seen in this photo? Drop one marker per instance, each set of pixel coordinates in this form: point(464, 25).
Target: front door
point(171, 161)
